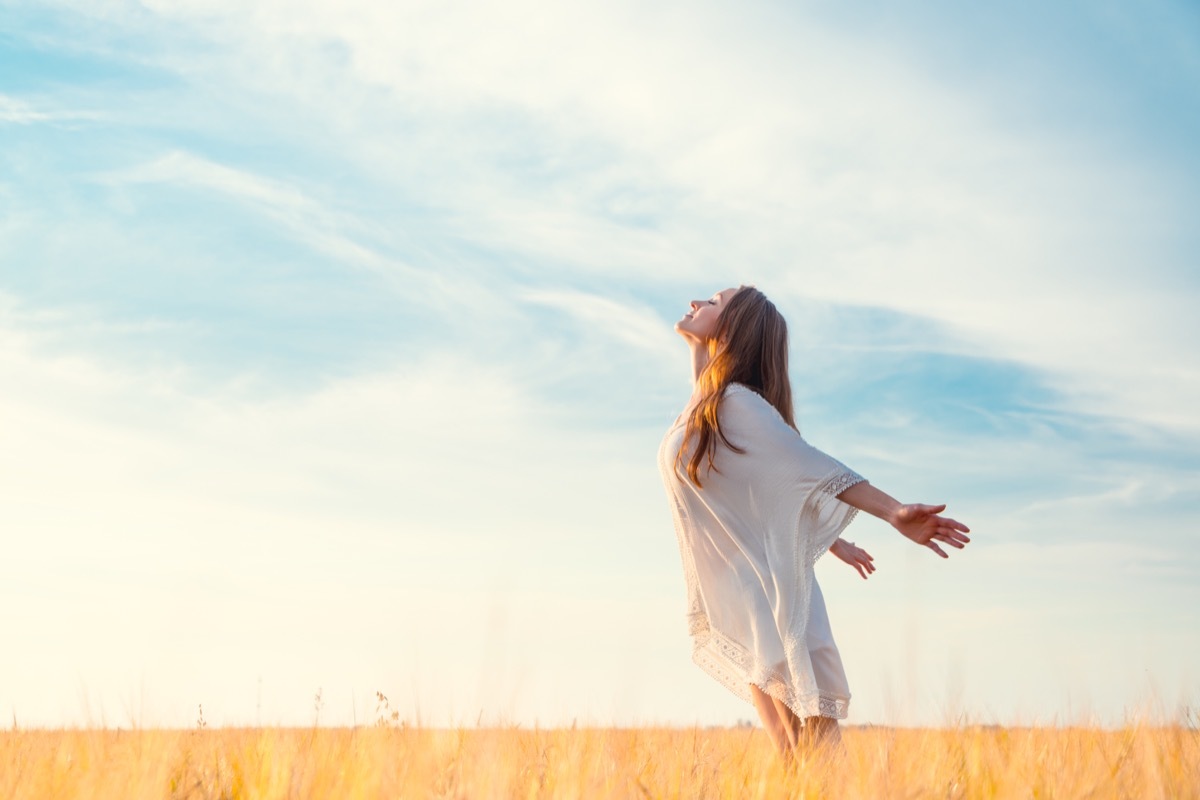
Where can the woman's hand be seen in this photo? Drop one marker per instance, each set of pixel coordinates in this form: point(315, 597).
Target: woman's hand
point(853, 555)
point(924, 525)
point(918, 522)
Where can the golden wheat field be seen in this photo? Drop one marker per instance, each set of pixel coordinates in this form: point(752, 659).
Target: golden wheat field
point(387, 762)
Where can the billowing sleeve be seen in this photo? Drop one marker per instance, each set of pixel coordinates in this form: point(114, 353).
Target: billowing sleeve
point(784, 476)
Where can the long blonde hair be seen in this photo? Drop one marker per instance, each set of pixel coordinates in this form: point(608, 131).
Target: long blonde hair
point(749, 347)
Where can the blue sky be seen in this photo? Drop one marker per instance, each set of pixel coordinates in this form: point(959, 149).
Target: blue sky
point(336, 348)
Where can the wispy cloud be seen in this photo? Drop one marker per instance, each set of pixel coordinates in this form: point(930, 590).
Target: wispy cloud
point(629, 323)
point(845, 193)
point(18, 111)
point(304, 218)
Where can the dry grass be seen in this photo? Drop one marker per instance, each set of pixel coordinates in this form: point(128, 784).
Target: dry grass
point(386, 762)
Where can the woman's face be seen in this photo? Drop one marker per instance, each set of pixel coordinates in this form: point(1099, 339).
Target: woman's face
point(701, 321)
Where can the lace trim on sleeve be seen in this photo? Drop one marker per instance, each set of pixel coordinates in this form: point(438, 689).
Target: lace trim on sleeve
point(842, 482)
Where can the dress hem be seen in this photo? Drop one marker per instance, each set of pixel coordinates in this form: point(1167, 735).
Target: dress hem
point(732, 666)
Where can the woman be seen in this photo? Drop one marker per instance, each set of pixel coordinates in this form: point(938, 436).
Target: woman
point(755, 506)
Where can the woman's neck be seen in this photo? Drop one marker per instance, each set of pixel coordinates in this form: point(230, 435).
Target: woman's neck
point(699, 361)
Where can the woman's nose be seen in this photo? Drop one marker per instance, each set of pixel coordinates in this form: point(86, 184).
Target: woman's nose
point(695, 304)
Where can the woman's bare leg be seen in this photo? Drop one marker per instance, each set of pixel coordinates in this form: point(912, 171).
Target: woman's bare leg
point(790, 721)
point(813, 732)
point(776, 728)
point(785, 729)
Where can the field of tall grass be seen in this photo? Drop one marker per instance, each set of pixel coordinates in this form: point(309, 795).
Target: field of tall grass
point(402, 761)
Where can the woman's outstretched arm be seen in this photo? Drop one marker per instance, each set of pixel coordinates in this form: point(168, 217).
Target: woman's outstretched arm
point(922, 524)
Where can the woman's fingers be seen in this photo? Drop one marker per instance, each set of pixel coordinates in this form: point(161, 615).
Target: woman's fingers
point(934, 511)
point(951, 533)
point(932, 545)
point(953, 529)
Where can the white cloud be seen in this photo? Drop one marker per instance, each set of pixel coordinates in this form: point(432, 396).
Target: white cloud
point(304, 218)
point(635, 326)
point(777, 149)
point(18, 111)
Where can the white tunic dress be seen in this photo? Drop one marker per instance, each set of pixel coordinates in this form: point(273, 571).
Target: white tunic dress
point(748, 539)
